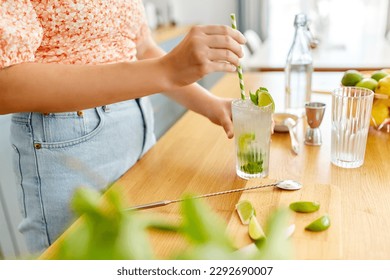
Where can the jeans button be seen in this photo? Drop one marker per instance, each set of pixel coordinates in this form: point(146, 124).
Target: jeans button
point(37, 146)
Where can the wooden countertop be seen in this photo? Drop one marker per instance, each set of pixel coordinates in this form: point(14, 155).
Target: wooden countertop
point(195, 156)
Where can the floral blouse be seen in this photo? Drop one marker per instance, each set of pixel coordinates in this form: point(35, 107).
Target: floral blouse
point(70, 31)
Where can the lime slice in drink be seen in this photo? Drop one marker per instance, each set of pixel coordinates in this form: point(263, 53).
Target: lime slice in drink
point(320, 224)
point(264, 98)
point(255, 230)
point(245, 211)
point(305, 206)
point(244, 140)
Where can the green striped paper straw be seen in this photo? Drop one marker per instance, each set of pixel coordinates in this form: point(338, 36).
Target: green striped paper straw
point(239, 68)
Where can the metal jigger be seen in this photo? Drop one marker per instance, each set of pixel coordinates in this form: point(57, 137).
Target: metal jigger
point(314, 113)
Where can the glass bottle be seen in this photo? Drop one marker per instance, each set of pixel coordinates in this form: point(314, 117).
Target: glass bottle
point(299, 69)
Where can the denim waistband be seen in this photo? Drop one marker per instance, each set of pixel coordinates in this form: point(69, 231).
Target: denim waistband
point(36, 119)
point(27, 116)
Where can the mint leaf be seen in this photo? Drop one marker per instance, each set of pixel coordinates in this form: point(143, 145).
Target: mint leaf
point(254, 97)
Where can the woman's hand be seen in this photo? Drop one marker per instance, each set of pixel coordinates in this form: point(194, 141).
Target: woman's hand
point(206, 49)
point(219, 111)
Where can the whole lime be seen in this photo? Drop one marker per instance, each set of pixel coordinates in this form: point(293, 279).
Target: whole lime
point(380, 74)
point(351, 78)
point(369, 83)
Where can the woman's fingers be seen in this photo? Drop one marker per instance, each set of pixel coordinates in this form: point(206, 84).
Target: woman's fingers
point(225, 42)
point(221, 66)
point(223, 30)
point(228, 127)
point(205, 49)
point(223, 55)
point(223, 115)
point(220, 37)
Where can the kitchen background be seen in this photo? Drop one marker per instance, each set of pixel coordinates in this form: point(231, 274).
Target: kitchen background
point(363, 21)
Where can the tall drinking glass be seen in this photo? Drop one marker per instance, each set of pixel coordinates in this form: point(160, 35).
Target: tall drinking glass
point(252, 130)
point(351, 112)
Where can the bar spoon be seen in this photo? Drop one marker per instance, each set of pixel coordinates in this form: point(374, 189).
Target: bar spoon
point(289, 185)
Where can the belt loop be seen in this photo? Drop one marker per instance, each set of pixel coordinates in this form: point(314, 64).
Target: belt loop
point(29, 119)
point(106, 108)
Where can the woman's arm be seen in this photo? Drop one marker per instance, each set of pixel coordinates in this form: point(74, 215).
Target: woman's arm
point(57, 88)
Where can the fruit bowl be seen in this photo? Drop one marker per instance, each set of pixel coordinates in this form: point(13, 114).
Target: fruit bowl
point(379, 82)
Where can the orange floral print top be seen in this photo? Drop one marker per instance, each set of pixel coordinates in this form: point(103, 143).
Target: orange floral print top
point(70, 31)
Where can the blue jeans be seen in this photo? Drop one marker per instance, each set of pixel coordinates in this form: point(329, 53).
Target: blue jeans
point(56, 153)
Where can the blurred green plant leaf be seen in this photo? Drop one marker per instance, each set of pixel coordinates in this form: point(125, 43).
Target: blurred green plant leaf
point(201, 225)
point(276, 245)
point(105, 231)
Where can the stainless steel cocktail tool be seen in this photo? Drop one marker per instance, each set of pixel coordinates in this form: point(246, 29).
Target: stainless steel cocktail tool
point(289, 185)
point(314, 113)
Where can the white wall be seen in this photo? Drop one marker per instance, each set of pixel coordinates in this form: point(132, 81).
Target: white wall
point(198, 11)
point(204, 11)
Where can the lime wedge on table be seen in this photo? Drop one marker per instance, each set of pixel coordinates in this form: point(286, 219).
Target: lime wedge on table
point(320, 224)
point(255, 230)
point(305, 206)
point(245, 211)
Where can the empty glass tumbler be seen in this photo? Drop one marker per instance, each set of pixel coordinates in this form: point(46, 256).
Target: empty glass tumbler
point(351, 113)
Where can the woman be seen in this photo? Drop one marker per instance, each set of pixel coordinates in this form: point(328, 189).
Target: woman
point(75, 75)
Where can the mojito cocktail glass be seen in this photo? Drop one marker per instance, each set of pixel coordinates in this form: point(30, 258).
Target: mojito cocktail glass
point(252, 130)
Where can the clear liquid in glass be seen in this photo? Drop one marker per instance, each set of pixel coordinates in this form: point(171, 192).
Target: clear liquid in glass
point(298, 87)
